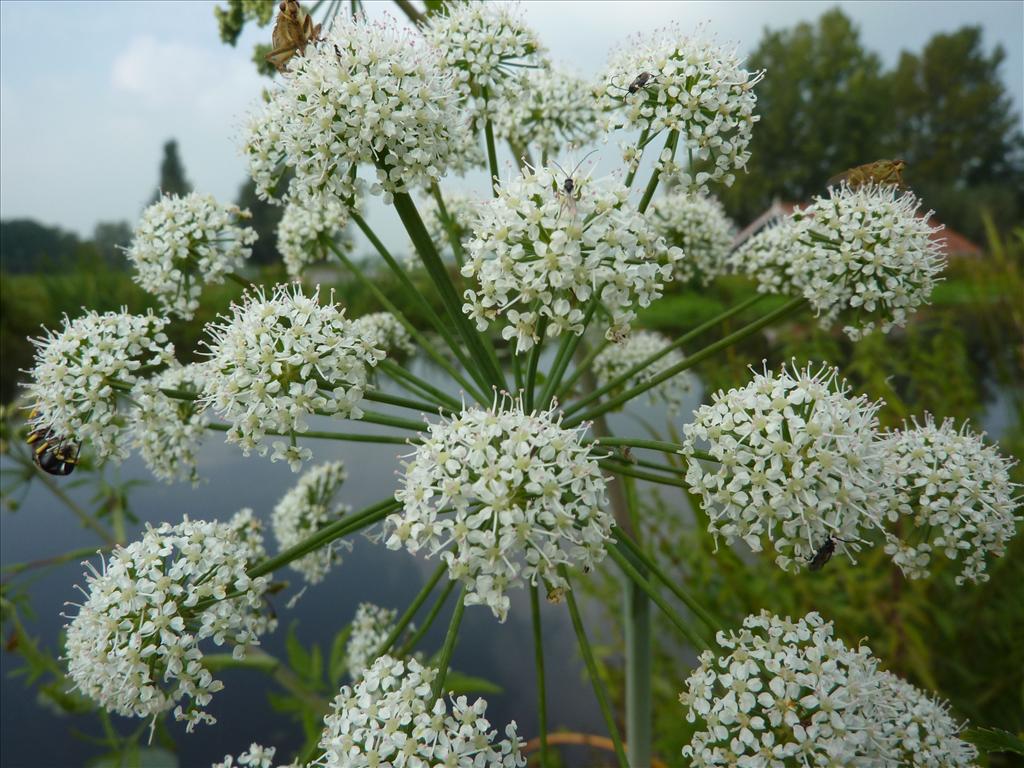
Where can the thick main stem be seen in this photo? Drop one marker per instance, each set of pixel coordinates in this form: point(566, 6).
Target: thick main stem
point(538, 657)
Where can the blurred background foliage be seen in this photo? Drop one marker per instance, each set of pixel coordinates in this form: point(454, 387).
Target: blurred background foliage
point(828, 104)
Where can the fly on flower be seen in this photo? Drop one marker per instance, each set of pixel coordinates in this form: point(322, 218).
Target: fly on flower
point(824, 553)
point(569, 190)
point(881, 172)
point(293, 31)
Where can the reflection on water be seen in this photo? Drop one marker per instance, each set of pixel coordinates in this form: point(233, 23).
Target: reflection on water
point(503, 653)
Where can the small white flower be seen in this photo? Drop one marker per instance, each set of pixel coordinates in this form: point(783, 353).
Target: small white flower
point(370, 93)
point(256, 756)
point(484, 45)
point(307, 508)
point(182, 243)
point(694, 86)
point(954, 497)
point(555, 111)
point(697, 224)
point(300, 228)
point(788, 694)
point(798, 464)
point(383, 331)
point(370, 628)
point(134, 646)
point(168, 431)
point(540, 253)
point(81, 370)
point(867, 256)
point(507, 496)
point(617, 359)
point(273, 362)
point(389, 719)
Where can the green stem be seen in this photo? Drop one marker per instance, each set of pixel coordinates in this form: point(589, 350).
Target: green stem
point(566, 350)
point(372, 417)
point(397, 372)
point(449, 646)
point(631, 176)
point(592, 671)
point(492, 154)
point(538, 658)
point(633, 442)
point(651, 564)
point(414, 606)
point(531, 369)
point(435, 609)
point(376, 396)
point(636, 578)
point(639, 668)
point(15, 568)
point(630, 471)
point(421, 340)
point(320, 435)
point(687, 337)
point(581, 367)
point(449, 225)
point(406, 209)
point(708, 351)
point(652, 185)
point(346, 525)
point(236, 278)
point(84, 517)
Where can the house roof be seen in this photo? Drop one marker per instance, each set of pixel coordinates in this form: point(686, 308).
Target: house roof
point(954, 243)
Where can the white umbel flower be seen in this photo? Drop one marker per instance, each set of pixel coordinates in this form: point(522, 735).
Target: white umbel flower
point(694, 86)
point(370, 93)
point(81, 370)
point(556, 110)
point(508, 496)
point(697, 224)
point(780, 694)
point(617, 359)
point(370, 628)
point(541, 254)
point(134, 646)
point(773, 258)
point(307, 508)
point(953, 497)
point(484, 44)
point(300, 228)
point(383, 331)
point(798, 464)
point(182, 243)
point(256, 756)
point(169, 430)
point(389, 719)
point(275, 361)
point(917, 729)
point(868, 257)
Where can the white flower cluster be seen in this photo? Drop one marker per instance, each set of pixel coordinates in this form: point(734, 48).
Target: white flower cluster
point(275, 361)
point(79, 372)
point(382, 330)
point(182, 243)
point(462, 210)
point(370, 628)
point(390, 719)
point(256, 756)
point(693, 86)
point(546, 251)
point(866, 254)
point(168, 430)
point(617, 359)
point(798, 464)
point(307, 508)
point(555, 111)
point(134, 646)
point(510, 495)
point(770, 258)
point(953, 493)
point(299, 230)
point(369, 93)
point(483, 44)
point(789, 694)
point(697, 224)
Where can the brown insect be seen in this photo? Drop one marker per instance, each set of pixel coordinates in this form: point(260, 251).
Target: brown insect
point(818, 560)
point(293, 31)
point(639, 82)
point(880, 172)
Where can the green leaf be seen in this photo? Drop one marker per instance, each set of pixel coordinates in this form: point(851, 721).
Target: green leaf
point(457, 682)
point(298, 657)
point(994, 740)
point(338, 664)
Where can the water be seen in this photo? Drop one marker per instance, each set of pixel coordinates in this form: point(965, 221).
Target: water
point(35, 737)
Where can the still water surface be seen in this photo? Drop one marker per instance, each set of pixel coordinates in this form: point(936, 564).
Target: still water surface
point(34, 737)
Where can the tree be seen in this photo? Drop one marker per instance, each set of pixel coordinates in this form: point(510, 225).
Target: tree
point(172, 174)
point(265, 218)
point(110, 238)
point(28, 246)
point(822, 111)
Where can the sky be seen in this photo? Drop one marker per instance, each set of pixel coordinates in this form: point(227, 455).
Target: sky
point(90, 91)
